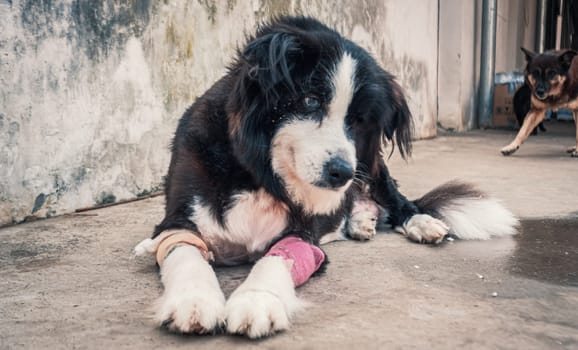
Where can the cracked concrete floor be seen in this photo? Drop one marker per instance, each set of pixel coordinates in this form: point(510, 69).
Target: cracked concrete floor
point(69, 282)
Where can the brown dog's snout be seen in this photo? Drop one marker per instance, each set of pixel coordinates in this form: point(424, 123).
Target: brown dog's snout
point(540, 92)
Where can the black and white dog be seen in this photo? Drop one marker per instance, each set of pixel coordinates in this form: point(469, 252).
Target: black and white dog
point(289, 143)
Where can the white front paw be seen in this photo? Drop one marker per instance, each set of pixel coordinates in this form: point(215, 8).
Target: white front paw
point(423, 228)
point(256, 313)
point(196, 310)
point(362, 225)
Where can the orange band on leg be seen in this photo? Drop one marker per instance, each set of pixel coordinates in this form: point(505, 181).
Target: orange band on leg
point(180, 237)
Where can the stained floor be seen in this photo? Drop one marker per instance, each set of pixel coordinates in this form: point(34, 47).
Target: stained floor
point(547, 250)
point(70, 282)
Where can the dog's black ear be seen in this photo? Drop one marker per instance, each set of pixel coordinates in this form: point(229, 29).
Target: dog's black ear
point(274, 58)
point(268, 57)
point(566, 58)
point(399, 125)
point(529, 54)
point(389, 121)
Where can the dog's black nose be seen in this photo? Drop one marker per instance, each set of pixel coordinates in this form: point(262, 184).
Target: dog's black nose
point(337, 171)
point(540, 91)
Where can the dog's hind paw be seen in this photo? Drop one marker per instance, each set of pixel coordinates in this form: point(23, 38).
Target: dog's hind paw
point(573, 151)
point(423, 228)
point(191, 312)
point(509, 149)
point(362, 225)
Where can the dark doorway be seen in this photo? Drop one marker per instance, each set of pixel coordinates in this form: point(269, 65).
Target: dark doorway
point(568, 12)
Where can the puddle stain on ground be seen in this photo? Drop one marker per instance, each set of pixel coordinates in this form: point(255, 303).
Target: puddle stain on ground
point(547, 250)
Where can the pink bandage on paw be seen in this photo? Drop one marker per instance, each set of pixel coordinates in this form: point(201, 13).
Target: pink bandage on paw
point(306, 257)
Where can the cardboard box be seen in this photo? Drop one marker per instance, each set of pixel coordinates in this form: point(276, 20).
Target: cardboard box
point(503, 105)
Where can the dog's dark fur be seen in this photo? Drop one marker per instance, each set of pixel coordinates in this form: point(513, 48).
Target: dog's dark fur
point(552, 78)
point(238, 116)
point(522, 106)
point(292, 135)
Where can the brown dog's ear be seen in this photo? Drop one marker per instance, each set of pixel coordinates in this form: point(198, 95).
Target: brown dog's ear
point(566, 57)
point(529, 54)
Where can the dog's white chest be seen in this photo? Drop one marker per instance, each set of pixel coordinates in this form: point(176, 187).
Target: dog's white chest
point(253, 220)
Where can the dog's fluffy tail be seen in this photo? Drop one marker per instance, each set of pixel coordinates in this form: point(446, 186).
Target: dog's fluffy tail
point(469, 212)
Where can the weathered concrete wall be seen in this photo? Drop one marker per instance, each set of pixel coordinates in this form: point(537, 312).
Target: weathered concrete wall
point(456, 83)
point(515, 27)
point(90, 91)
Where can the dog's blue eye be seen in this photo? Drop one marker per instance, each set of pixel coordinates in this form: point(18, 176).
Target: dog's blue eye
point(311, 103)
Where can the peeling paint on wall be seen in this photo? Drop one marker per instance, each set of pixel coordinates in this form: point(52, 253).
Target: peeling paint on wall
point(90, 92)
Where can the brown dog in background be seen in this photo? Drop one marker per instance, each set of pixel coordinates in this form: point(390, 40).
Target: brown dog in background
point(553, 78)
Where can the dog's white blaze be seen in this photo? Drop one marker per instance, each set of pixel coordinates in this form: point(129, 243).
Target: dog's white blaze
point(343, 81)
point(302, 147)
point(479, 218)
point(254, 220)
